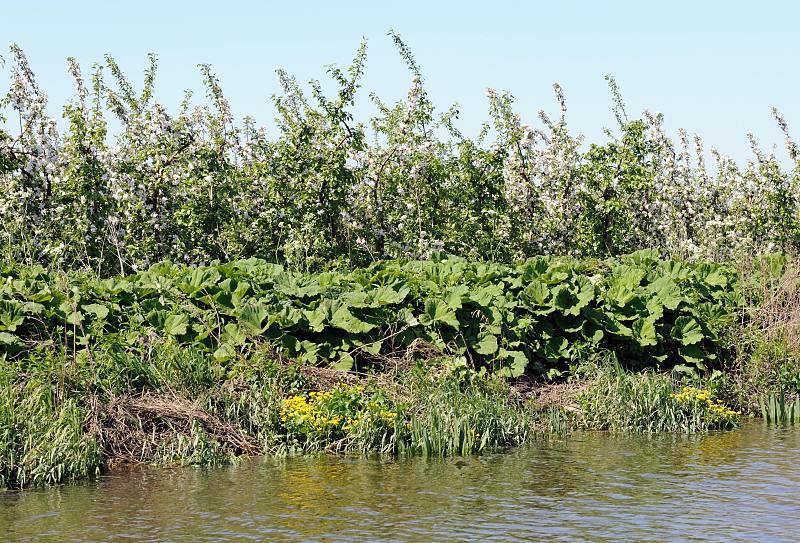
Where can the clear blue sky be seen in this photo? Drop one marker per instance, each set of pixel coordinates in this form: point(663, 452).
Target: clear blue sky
point(712, 67)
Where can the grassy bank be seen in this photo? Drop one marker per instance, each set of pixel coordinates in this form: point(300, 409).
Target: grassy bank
point(200, 366)
point(64, 418)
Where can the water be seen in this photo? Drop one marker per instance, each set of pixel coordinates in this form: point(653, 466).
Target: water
point(735, 486)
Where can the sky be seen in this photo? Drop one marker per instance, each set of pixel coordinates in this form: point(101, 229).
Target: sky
point(713, 67)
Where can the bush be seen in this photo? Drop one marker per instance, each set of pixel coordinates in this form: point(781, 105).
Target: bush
point(328, 189)
point(540, 316)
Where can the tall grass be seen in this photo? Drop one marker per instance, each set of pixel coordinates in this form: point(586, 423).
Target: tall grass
point(646, 402)
point(456, 416)
point(67, 415)
point(42, 440)
point(767, 342)
point(780, 408)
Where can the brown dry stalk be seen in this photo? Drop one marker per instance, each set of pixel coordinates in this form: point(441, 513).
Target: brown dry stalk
point(129, 428)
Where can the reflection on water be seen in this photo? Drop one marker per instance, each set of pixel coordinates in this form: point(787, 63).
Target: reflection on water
point(734, 486)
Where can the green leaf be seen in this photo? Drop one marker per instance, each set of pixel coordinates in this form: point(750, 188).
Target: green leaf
point(556, 347)
point(176, 324)
point(487, 345)
point(10, 341)
point(438, 312)
point(290, 343)
point(692, 353)
point(234, 334)
point(537, 293)
point(372, 347)
point(345, 362)
point(71, 317)
point(98, 310)
point(687, 331)
point(224, 352)
point(592, 333)
point(11, 315)
point(252, 317)
point(666, 293)
point(343, 319)
point(716, 279)
point(644, 331)
point(516, 362)
point(454, 296)
point(199, 279)
point(386, 295)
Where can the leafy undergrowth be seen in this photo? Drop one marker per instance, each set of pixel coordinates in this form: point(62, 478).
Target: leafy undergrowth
point(64, 418)
point(540, 317)
point(201, 366)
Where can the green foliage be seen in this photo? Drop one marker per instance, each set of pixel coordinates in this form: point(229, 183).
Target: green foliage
point(538, 316)
point(346, 417)
point(42, 439)
point(322, 188)
point(649, 402)
point(154, 401)
point(780, 408)
point(463, 412)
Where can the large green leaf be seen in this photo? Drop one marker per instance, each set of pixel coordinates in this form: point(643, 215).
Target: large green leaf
point(10, 341)
point(692, 353)
point(11, 315)
point(438, 312)
point(514, 363)
point(99, 311)
point(251, 317)
point(336, 314)
point(198, 280)
point(687, 331)
point(644, 332)
point(342, 318)
point(176, 324)
point(487, 345)
point(386, 295)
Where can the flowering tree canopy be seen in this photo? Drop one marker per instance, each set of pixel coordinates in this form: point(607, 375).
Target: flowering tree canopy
point(197, 185)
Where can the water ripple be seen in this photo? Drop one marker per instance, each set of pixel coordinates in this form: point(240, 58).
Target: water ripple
point(733, 486)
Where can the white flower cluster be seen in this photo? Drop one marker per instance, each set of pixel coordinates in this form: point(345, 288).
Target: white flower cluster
point(196, 186)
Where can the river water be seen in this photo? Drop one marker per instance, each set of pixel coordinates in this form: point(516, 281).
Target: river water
point(742, 485)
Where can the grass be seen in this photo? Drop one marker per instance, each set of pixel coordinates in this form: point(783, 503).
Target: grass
point(71, 414)
point(66, 416)
point(42, 440)
point(780, 409)
point(767, 341)
point(458, 414)
point(649, 402)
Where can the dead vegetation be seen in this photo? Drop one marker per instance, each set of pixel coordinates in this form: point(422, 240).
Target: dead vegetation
point(545, 395)
point(130, 428)
point(767, 343)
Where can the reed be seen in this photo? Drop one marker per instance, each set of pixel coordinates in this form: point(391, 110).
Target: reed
point(780, 408)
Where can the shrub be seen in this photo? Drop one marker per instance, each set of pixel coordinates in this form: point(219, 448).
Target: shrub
point(194, 185)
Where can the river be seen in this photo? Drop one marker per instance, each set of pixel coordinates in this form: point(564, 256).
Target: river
point(742, 485)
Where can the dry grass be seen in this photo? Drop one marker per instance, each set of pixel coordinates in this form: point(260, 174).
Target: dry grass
point(546, 395)
point(778, 316)
point(768, 342)
point(130, 429)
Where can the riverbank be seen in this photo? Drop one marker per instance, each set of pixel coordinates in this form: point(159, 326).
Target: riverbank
point(202, 366)
point(169, 405)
